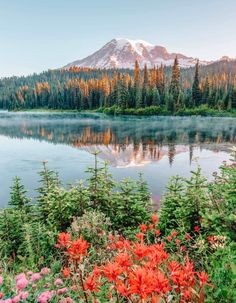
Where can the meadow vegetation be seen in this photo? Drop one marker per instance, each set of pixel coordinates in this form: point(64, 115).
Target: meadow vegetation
point(101, 241)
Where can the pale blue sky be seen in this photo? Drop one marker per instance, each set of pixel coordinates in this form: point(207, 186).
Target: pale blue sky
point(37, 35)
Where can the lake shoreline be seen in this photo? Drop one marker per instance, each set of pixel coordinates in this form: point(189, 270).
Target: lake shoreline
point(135, 112)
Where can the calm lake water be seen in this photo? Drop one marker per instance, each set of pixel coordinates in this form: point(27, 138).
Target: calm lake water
point(159, 147)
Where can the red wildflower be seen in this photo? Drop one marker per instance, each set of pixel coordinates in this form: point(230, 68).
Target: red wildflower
point(177, 242)
point(187, 236)
point(151, 226)
point(123, 259)
point(78, 248)
point(143, 228)
point(203, 278)
point(140, 250)
point(111, 271)
point(169, 238)
point(66, 272)
point(196, 228)
point(91, 283)
point(140, 236)
point(174, 233)
point(154, 219)
point(64, 239)
point(122, 288)
point(157, 232)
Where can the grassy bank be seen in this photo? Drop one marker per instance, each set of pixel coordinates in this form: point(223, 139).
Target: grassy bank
point(147, 111)
point(159, 111)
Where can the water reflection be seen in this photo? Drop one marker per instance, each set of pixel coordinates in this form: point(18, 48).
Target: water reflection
point(124, 141)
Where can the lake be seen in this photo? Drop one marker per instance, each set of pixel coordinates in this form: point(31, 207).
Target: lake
point(158, 147)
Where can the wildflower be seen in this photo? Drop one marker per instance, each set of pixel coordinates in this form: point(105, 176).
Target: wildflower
point(183, 248)
point(186, 294)
point(174, 233)
point(62, 291)
point(16, 299)
point(22, 282)
point(196, 228)
point(78, 248)
point(66, 300)
point(66, 272)
point(91, 283)
point(24, 295)
point(123, 259)
point(63, 239)
point(29, 273)
point(143, 228)
point(177, 242)
point(45, 271)
point(20, 276)
point(203, 278)
point(154, 219)
point(187, 236)
point(169, 238)
point(151, 226)
point(157, 232)
point(36, 277)
point(1, 280)
point(45, 296)
point(140, 250)
point(140, 236)
point(111, 271)
point(1, 295)
point(58, 282)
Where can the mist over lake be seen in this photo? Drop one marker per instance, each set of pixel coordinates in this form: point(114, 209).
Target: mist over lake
point(158, 147)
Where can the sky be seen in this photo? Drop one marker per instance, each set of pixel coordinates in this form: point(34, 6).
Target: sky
point(37, 35)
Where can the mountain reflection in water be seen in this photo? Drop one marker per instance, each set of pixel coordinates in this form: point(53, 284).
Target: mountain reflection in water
point(124, 141)
point(159, 147)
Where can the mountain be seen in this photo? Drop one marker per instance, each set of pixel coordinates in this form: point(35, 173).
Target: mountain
point(122, 53)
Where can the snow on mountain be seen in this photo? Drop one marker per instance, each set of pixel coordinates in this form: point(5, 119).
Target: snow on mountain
point(122, 53)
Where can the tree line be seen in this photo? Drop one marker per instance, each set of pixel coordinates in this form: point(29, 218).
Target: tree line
point(171, 89)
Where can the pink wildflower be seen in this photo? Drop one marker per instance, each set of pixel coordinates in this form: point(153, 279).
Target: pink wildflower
point(45, 271)
point(58, 282)
point(16, 299)
point(22, 283)
point(62, 290)
point(45, 296)
point(66, 300)
point(36, 277)
point(20, 276)
point(24, 295)
point(1, 280)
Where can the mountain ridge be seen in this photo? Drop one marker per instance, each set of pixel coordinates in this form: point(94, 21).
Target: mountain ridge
point(122, 53)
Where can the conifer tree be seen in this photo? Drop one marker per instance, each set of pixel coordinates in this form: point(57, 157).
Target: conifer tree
point(137, 85)
point(196, 92)
point(175, 82)
point(18, 197)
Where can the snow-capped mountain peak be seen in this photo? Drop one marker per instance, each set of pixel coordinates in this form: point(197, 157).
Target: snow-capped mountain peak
point(122, 53)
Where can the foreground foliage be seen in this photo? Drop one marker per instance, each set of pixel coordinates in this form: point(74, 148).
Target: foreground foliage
point(108, 250)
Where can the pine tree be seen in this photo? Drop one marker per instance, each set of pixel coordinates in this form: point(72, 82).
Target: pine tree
point(18, 197)
point(175, 82)
point(196, 92)
point(137, 85)
point(206, 92)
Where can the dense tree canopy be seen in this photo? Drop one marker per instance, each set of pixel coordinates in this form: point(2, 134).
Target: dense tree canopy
point(82, 88)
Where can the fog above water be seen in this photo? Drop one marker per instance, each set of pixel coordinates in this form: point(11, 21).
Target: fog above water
point(159, 147)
